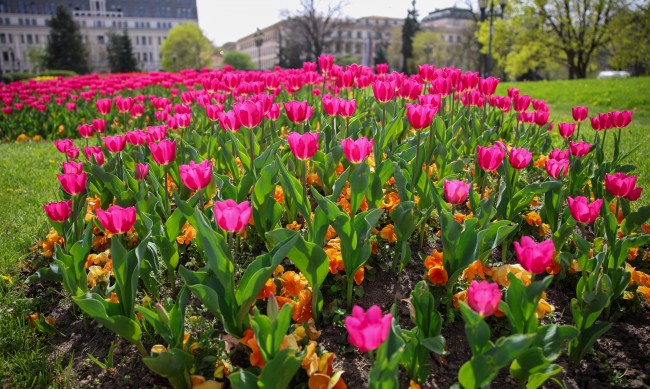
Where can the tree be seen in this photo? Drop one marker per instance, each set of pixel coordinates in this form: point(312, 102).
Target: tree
point(65, 49)
point(380, 53)
point(394, 51)
point(309, 31)
point(238, 60)
point(629, 48)
point(346, 59)
point(36, 58)
point(186, 47)
point(580, 27)
point(120, 53)
point(429, 47)
point(409, 29)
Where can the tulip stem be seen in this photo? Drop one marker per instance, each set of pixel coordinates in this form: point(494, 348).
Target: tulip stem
point(251, 137)
point(141, 349)
point(418, 166)
point(484, 183)
point(618, 207)
point(166, 190)
point(350, 280)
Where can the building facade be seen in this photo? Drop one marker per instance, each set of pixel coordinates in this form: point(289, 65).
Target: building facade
point(456, 27)
point(350, 37)
point(24, 28)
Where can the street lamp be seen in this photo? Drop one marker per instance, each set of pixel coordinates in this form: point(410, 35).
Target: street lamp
point(491, 13)
point(259, 39)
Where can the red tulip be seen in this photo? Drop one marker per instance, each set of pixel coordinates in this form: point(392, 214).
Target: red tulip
point(554, 167)
point(114, 144)
point(367, 330)
point(85, 130)
point(541, 118)
point(104, 106)
point(520, 102)
point(357, 150)
point(73, 167)
point(303, 146)
point(231, 216)
point(115, 219)
point(73, 184)
point(605, 120)
point(249, 113)
point(141, 171)
point(534, 257)
point(384, 91)
point(579, 149)
point(298, 111)
point(484, 297)
point(164, 152)
point(490, 158)
point(566, 130)
point(456, 191)
point(59, 211)
point(619, 184)
point(595, 123)
point(196, 175)
point(420, 116)
point(519, 158)
point(579, 113)
point(582, 211)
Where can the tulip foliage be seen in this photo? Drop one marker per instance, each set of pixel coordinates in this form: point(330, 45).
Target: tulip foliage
point(223, 189)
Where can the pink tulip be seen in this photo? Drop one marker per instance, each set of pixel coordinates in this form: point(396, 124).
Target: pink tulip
point(367, 330)
point(619, 184)
point(357, 150)
point(420, 116)
point(582, 211)
point(566, 130)
point(554, 167)
point(156, 133)
point(381, 68)
point(384, 91)
point(634, 194)
point(558, 154)
point(456, 191)
point(63, 144)
point(99, 125)
point(196, 175)
point(579, 149)
point(213, 110)
point(325, 62)
point(541, 118)
point(141, 171)
point(136, 137)
point(231, 216)
point(431, 99)
point(534, 257)
point(580, 113)
point(59, 211)
point(123, 104)
point(303, 146)
point(519, 158)
point(605, 120)
point(73, 184)
point(72, 152)
point(104, 106)
point(621, 119)
point(520, 103)
point(410, 90)
point(331, 105)
point(85, 130)
point(249, 113)
point(73, 167)
point(490, 158)
point(484, 297)
point(114, 144)
point(347, 108)
point(164, 152)
point(274, 112)
point(488, 86)
point(228, 121)
point(298, 111)
point(115, 219)
point(595, 123)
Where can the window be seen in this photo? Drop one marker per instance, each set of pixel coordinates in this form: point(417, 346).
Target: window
point(37, 40)
point(22, 39)
point(5, 56)
point(11, 38)
point(33, 22)
point(3, 38)
point(101, 40)
point(30, 39)
point(20, 22)
point(137, 40)
point(137, 55)
point(359, 34)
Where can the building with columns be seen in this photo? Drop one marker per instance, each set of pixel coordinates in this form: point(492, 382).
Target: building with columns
point(24, 28)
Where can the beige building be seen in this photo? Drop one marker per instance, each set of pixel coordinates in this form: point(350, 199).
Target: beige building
point(24, 28)
point(456, 27)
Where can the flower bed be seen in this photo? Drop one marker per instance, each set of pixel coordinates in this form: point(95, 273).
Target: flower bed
point(231, 237)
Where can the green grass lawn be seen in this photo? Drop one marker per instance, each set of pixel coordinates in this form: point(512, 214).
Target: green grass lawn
point(602, 96)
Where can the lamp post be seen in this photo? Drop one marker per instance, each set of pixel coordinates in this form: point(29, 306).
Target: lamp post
point(259, 39)
point(490, 13)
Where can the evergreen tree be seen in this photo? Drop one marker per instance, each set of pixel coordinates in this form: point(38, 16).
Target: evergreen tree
point(120, 53)
point(410, 27)
point(65, 49)
point(380, 54)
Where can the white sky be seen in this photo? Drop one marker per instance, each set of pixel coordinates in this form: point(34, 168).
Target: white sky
point(228, 20)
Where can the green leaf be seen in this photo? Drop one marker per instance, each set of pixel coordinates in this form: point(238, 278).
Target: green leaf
point(175, 365)
point(243, 379)
point(97, 308)
point(278, 372)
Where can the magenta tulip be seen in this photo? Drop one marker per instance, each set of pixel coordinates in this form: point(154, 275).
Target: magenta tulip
point(85, 130)
point(456, 191)
point(558, 154)
point(104, 106)
point(554, 167)
point(357, 150)
point(298, 111)
point(331, 105)
point(99, 125)
point(228, 121)
point(73, 184)
point(566, 130)
point(196, 175)
point(303, 146)
point(488, 86)
point(634, 194)
point(384, 91)
point(58, 211)
point(63, 144)
point(484, 297)
point(490, 158)
point(534, 257)
point(595, 123)
point(156, 133)
point(621, 119)
point(141, 171)
point(73, 167)
point(136, 137)
point(367, 330)
point(164, 152)
point(347, 108)
point(114, 144)
point(519, 158)
point(619, 184)
point(117, 220)
point(580, 113)
point(249, 113)
point(231, 216)
point(579, 149)
point(420, 116)
point(582, 211)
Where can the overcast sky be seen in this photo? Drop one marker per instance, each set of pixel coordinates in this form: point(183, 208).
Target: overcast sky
point(228, 20)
